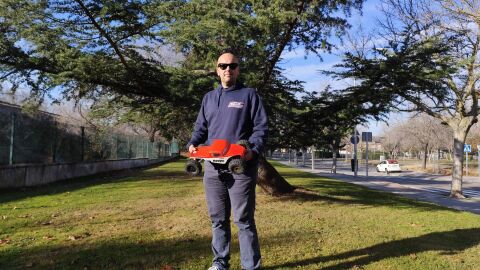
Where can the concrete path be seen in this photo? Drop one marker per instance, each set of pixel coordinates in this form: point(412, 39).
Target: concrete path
point(421, 186)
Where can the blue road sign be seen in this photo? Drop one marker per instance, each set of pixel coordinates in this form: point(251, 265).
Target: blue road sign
point(467, 148)
point(355, 139)
point(367, 136)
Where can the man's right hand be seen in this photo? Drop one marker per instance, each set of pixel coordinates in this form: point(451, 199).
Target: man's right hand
point(192, 149)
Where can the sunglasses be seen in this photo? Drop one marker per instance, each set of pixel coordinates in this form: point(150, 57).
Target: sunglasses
point(231, 65)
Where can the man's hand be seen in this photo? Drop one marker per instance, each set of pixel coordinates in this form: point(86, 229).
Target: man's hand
point(249, 154)
point(192, 149)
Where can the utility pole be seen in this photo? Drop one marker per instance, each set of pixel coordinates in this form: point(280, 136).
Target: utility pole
point(355, 161)
point(366, 158)
point(313, 158)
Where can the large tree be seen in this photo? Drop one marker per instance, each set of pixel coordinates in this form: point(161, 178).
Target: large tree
point(88, 48)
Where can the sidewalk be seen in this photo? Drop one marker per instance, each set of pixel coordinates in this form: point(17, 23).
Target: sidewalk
point(420, 186)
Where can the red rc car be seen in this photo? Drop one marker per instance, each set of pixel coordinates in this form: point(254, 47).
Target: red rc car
point(219, 152)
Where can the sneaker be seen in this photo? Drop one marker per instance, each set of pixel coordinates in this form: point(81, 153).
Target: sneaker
point(214, 268)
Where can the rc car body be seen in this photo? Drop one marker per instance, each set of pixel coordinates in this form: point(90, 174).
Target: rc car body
point(219, 152)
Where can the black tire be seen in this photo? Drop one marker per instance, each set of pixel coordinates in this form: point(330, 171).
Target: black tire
point(193, 167)
point(245, 144)
point(236, 166)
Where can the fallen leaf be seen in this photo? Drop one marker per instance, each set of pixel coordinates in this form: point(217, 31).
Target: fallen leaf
point(413, 256)
point(5, 241)
point(47, 223)
point(4, 217)
point(48, 237)
point(24, 216)
point(73, 237)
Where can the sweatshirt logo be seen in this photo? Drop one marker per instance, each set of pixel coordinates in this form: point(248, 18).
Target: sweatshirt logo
point(235, 104)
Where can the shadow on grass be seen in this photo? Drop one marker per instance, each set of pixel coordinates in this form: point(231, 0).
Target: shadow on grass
point(448, 243)
point(129, 175)
point(113, 254)
point(313, 187)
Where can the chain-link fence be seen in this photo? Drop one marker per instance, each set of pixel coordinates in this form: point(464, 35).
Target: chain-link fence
point(40, 138)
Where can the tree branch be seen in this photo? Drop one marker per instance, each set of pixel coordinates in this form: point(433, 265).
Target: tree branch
point(282, 44)
point(104, 34)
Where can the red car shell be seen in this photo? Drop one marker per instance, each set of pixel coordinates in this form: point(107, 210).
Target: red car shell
point(220, 151)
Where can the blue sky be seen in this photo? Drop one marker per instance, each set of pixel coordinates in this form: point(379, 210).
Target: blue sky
point(298, 66)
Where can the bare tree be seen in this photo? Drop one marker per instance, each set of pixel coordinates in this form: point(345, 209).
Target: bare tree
point(392, 140)
point(426, 133)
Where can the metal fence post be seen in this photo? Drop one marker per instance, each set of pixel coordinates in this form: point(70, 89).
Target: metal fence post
point(148, 153)
point(83, 144)
point(12, 141)
point(54, 145)
point(128, 147)
point(116, 145)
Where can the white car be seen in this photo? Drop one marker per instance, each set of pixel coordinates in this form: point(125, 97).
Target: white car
point(389, 166)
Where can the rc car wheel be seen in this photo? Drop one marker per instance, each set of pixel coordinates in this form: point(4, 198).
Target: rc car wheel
point(237, 166)
point(377, 169)
point(244, 143)
point(193, 167)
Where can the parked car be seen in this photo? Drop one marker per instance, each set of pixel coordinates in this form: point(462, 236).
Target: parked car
point(388, 166)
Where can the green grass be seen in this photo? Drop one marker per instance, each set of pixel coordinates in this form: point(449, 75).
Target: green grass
point(157, 219)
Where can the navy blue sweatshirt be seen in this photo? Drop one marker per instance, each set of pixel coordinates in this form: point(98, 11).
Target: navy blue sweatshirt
point(234, 114)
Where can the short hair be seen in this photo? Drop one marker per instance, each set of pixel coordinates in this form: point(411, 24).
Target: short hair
point(230, 51)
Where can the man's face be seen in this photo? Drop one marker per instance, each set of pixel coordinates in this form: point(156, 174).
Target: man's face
point(229, 75)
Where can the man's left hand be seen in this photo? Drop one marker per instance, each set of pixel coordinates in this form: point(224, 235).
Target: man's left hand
point(249, 155)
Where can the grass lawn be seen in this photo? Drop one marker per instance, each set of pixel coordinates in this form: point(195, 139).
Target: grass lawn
point(157, 219)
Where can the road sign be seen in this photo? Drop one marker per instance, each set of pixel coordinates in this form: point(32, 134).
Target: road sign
point(467, 148)
point(354, 139)
point(367, 136)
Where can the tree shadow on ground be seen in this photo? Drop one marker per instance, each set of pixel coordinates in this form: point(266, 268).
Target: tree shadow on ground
point(129, 175)
point(449, 243)
point(315, 188)
point(120, 253)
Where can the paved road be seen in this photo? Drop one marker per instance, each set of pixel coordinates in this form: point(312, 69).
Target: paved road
point(422, 186)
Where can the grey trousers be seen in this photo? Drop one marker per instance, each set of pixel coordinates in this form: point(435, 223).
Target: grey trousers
point(226, 191)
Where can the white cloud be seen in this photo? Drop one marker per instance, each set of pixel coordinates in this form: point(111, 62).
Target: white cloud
point(308, 72)
point(298, 53)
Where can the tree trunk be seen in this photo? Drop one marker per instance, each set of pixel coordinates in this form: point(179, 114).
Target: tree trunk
point(438, 161)
point(334, 158)
point(151, 135)
point(270, 181)
point(303, 157)
point(459, 137)
point(425, 155)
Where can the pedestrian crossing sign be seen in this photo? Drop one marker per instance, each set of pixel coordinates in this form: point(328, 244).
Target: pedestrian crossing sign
point(467, 148)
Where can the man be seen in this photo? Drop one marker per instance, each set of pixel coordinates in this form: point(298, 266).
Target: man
point(232, 112)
